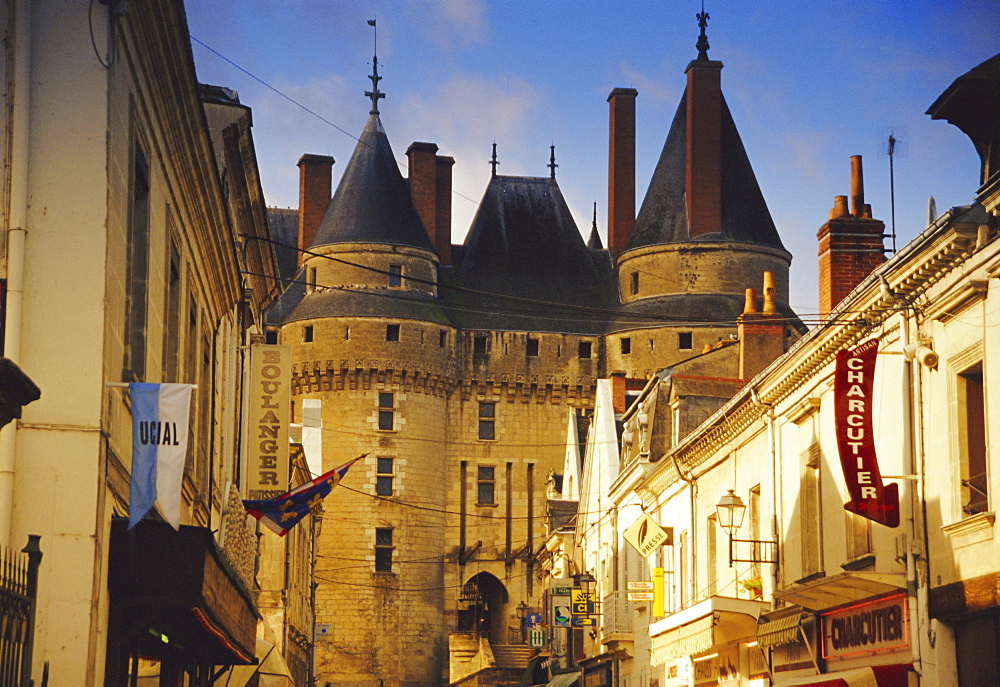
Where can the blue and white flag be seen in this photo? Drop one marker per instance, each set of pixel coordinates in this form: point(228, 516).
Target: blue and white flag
point(159, 444)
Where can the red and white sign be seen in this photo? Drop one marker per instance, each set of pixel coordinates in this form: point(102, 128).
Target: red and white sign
point(875, 626)
point(852, 389)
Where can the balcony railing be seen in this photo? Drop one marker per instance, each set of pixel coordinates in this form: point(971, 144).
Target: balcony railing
point(617, 614)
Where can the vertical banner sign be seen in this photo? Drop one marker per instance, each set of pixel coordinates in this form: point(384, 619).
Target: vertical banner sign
point(658, 601)
point(267, 445)
point(852, 390)
point(562, 601)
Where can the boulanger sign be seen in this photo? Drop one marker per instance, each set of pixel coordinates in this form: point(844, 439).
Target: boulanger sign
point(876, 626)
point(267, 445)
point(852, 390)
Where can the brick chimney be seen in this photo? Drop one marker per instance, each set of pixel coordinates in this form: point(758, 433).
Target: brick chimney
point(315, 185)
point(442, 225)
point(850, 244)
point(430, 186)
point(621, 168)
point(703, 152)
point(761, 333)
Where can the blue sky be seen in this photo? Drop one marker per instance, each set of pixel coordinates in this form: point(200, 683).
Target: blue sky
point(809, 83)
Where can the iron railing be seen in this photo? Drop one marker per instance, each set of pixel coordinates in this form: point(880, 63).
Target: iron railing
point(18, 587)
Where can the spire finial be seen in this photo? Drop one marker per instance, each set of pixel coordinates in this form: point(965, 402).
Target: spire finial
point(374, 94)
point(702, 43)
point(552, 162)
point(493, 160)
point(594, 225)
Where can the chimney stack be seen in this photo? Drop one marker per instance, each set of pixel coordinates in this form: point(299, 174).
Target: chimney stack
point(430, 187)
point(703, 152)
point(315, 185)
point(621, 168)
point(850, 244)
point(442, 225)
point(761, 333)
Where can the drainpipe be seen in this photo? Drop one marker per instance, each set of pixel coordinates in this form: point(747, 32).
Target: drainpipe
point(16, 235)
point(912, 418)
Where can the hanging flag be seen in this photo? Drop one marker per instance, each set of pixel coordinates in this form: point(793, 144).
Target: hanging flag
point(284, 512)
point(852, 394)
point(159, 443)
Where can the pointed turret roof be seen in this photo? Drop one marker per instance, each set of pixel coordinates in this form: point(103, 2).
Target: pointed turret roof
point(524, 241)
point(663, 216)
point(372, 203)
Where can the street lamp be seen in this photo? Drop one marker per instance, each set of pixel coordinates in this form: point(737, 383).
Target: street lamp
point(584, 581)
point(729, 512)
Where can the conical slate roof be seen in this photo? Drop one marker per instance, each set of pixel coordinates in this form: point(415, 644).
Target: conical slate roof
point(524, 240)
point(663, 215)
point(372, 203)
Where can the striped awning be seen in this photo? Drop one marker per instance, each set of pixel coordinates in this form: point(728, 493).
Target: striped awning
point(780, 631)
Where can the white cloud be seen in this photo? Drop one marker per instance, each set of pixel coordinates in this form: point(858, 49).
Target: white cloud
point(453, 24)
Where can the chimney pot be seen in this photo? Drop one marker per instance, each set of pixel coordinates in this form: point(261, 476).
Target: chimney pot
point(857, 186)
point(839, 207)
point(750, 303)
point(769, 292)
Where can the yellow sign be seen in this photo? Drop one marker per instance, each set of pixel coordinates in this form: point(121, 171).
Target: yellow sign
point(658, 593)
point(646, 536)
point(267, 443)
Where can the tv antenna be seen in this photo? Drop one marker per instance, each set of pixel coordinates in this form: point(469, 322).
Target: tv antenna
point(892, 142)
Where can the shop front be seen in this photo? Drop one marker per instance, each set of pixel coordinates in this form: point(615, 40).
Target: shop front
point(176, 609)
point(848, 630)
point(709, 644)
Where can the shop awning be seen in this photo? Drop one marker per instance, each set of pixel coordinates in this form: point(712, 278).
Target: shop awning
point(271, 670)
point(876, 676)
point(838, 590)
point(563, 679)
point(714, 622)
point(780, 631)
point(178, 593)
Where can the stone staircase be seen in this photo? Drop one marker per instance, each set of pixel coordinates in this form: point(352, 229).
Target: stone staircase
point(513, 656)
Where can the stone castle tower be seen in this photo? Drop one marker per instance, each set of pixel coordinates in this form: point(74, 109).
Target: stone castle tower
point(455, 367)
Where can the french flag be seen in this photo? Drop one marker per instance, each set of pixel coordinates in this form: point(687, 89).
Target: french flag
point(159, 443)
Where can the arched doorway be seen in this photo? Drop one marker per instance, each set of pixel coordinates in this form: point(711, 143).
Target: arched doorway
point(484, 599)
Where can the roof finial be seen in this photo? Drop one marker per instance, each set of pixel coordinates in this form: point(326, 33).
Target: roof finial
point(552, 162)
point(493, 160)
point(374, 94)
point(702, 44)
point(594, 226)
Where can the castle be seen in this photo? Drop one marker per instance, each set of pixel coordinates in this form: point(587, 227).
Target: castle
point(455, 367)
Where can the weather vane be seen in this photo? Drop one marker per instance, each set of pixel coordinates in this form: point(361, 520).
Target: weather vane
point(702, 44)
point(374, 94)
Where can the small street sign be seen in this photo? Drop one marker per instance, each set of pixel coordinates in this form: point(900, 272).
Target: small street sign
point(536, 638)
point(640, 585)
point(583, 621)
point(640, 596)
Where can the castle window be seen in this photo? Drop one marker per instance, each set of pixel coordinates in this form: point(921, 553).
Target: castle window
point(652, 344)
point(626, 344)
point(487, 421)
point(684, 342)
point(311, 280)
point(386, 411)
point(383, 549)
point(532, 347)
point(442, 338)
point(384, 476)
point(307, 333)
point(635, 283)
point(479, 345)
point(271, 336)
point(392, 332)
point(486, 486)
point(584, 349)
point(395, 275)
point(347, 333)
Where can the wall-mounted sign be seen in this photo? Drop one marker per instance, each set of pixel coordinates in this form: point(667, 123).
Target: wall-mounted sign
point(646, 536)
point(640, 585)
point(640, 596)
point(876, 626)
point(267, 443)
point(852, 390)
